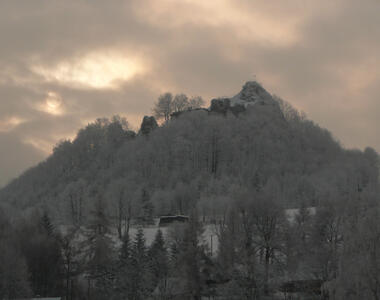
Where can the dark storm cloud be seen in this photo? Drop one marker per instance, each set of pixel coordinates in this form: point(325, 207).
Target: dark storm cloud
point(321, 56)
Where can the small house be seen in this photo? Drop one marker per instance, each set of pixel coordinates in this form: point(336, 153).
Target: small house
point(170, 220)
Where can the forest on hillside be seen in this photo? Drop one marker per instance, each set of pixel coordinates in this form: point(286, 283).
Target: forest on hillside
point(237, 167)
point(193, 160)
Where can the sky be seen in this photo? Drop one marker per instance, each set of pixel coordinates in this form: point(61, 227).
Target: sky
point(65, 63)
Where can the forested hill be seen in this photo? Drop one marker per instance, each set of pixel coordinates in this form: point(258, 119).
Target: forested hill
point(251, 143)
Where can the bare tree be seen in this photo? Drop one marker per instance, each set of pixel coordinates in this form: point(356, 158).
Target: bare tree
point(71, 262)
point(74, 194)
point(196, 102)
point(267, 218)
point(163, 107)
point(180, 102)
point(167, 104)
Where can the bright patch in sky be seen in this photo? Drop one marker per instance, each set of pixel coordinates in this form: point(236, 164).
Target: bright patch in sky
point(52, 104)
point(10, 123)
point(96, 70)
point(43, 145)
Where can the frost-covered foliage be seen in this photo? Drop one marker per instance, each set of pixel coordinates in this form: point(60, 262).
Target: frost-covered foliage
point(193, 160)
point(236, 167)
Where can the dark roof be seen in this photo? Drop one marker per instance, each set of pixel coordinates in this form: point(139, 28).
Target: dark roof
point(166, 220)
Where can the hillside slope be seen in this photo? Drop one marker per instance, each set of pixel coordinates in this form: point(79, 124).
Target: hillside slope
point(251, 142)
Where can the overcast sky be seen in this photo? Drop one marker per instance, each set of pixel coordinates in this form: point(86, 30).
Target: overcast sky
point(65, 63)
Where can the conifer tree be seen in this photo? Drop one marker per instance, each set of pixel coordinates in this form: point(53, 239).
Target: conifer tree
point(146, 215)
point(43, 255)
point(125, 251)
point(123, 272)
point(46, 224)
point(159, 262)
point(191, 253)
point(139, 269)
point(100, 265)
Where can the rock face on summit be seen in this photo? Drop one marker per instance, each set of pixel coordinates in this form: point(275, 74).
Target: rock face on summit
point(148, 124)
point(221, 105)
point(252, 94)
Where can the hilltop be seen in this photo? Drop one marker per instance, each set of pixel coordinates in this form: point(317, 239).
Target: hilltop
point(251, 142)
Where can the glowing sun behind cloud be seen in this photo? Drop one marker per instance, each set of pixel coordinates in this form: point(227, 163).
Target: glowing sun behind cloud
point(52, 104)
point(95, 70)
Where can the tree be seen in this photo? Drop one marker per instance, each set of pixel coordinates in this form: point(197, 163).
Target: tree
point(227, 232)
point(119, 191)
point(163, 107)
point(14, 282)
point(298, 246)
point(40, 246)
point(46, 224)
point(139, 279)
point(260, 221)
point(326, 239)
point(196, 102)
point(123, 281)
point(180, 102)
point(190, 252)
point(125, 251)
point(146, 213)
point(100, 263)
point(159, 262)
point(72, 261)
point(245, 267)
point(358, 275)
point(74, 197)
point(167, 104)
point(267, 219)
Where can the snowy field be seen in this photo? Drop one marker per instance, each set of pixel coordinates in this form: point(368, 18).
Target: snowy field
point(209, 237)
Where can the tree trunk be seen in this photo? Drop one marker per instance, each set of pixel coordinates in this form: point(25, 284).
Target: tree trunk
point(120, 213)
point(267, 260)
point(68, 280)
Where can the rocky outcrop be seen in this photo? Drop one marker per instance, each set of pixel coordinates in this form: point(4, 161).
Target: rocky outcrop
point(252, 96)
point(221, 105)
point(253, 93)
point(148, 124)
point(237, 109)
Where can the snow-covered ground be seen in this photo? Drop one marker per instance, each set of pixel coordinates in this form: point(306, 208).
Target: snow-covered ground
point(209, 237)
point(291, 213)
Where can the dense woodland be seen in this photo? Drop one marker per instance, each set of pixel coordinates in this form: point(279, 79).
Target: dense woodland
point(236, 169)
